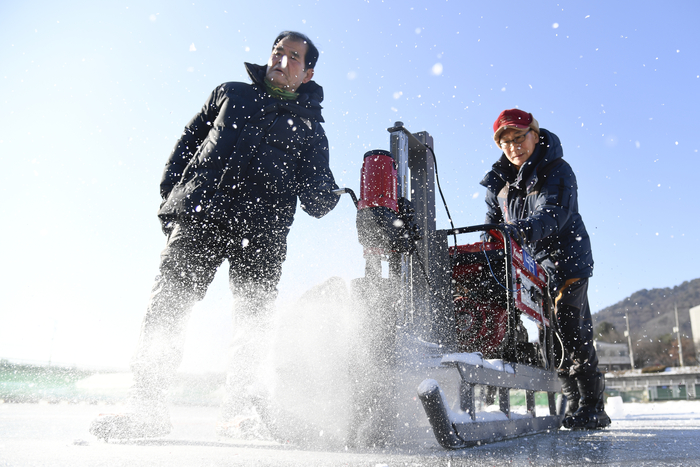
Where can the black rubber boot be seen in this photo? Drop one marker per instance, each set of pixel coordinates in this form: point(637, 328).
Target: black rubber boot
point(569, 387)
point(603, 418)
point(591, 412)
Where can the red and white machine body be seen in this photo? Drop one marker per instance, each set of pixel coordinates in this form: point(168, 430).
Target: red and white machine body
point(445, 319)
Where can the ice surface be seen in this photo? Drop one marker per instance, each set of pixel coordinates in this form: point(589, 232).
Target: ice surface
point(648, 434)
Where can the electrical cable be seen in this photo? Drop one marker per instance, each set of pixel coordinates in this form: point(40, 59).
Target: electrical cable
point(437, 179)
point(493, 274)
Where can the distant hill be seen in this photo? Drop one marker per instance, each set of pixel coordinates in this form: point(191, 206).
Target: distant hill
point(651, 312)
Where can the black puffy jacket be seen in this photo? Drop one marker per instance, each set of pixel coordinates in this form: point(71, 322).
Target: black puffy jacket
point(541, 199)
point(246, 157)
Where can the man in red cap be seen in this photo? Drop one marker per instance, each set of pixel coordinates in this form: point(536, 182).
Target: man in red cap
point(532, 192)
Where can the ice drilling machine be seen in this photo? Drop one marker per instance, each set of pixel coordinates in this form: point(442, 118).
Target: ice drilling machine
point(449, 335)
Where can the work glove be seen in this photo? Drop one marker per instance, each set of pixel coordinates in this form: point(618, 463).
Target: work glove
point(513, 231)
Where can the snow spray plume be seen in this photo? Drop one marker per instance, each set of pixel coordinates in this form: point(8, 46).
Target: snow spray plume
point(309, 387)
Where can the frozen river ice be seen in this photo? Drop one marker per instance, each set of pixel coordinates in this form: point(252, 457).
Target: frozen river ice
point(56, 435)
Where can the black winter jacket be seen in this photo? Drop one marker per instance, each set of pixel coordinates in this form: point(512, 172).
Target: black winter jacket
point(246, 157)
point(541, 200)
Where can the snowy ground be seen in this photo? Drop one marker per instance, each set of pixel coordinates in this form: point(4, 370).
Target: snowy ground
point(651, 434)
point(671, 410)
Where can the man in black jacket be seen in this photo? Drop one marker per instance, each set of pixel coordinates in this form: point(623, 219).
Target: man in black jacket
point(230, 190)
point(532, 191)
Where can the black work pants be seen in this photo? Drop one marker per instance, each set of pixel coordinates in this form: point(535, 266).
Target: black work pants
point(193, 253)
point(576, 330)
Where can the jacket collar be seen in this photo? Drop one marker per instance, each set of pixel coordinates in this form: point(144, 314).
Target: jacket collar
point(310, 94)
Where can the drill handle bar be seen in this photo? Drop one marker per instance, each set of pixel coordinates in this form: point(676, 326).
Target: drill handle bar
point(507, 233)
point(485, 228)
point(342, 191)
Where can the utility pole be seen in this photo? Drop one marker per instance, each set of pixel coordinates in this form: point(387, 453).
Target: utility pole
point(677, 330)
point(629, 340)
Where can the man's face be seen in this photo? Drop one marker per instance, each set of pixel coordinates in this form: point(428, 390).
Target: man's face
point(518, 153)
point(285, 68)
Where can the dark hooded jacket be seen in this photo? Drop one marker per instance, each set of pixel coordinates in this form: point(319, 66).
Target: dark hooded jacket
point(541, 200)
point(246, 157)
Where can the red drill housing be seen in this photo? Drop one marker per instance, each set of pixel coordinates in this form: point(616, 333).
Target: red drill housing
point(378, 181)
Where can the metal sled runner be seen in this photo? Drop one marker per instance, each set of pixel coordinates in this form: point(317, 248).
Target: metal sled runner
point(454, 433)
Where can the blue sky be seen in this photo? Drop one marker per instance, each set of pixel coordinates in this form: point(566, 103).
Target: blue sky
point(93, 96)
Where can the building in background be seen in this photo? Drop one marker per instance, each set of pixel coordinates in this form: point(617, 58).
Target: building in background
point(612, 357)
